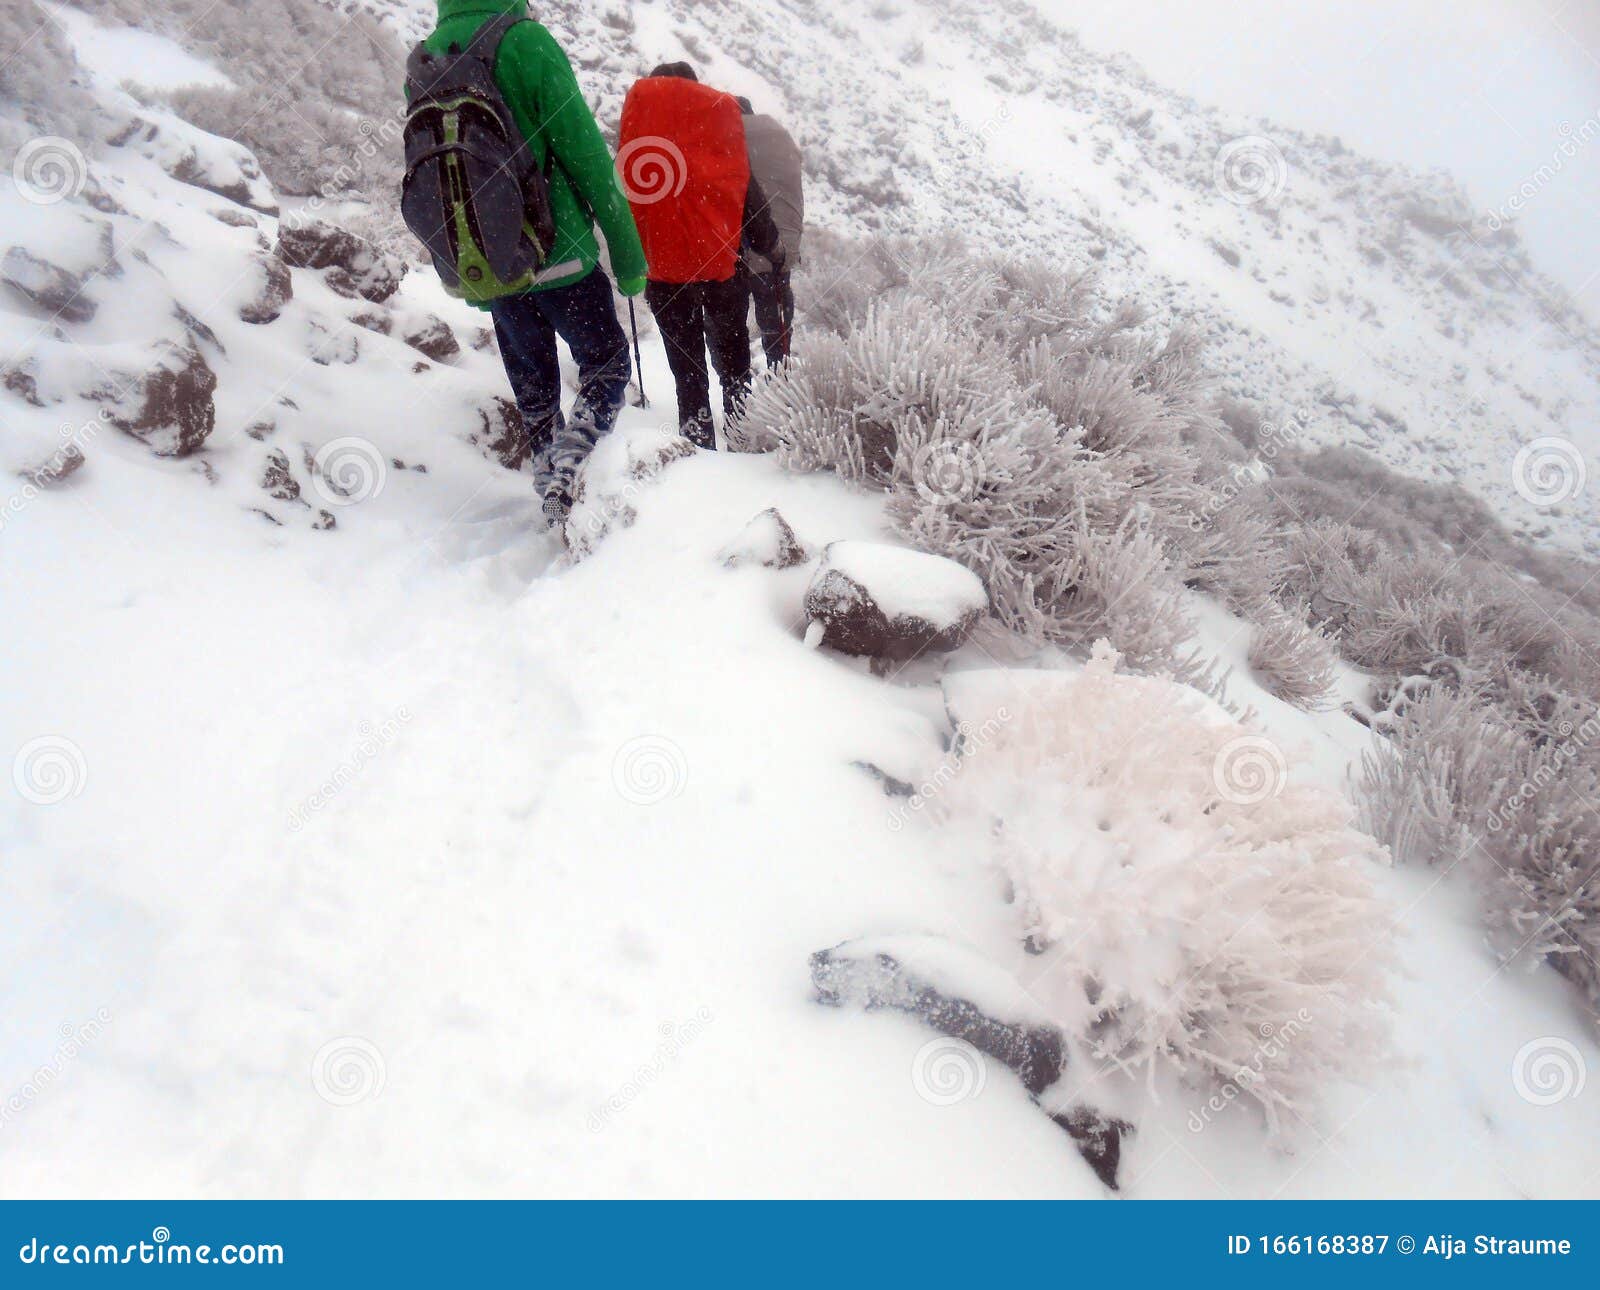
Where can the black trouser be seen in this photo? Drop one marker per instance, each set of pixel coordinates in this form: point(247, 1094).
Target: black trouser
point(694, 316)
point(774, 299)
point(584, 315)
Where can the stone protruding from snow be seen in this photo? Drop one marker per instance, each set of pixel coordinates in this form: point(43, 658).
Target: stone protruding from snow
point(277, 477)
point(272, 289)
point(192, 156)
point(170, 406)
point(501, 435)
point(767, 540)
point(957, 992)
point(432, 336)
point(611, 481)
point(351, 265)
point(888, 602)
point(66, 461)
point(47, 286)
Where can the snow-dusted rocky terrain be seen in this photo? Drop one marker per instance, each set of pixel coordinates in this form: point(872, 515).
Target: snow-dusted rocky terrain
point(363, 839)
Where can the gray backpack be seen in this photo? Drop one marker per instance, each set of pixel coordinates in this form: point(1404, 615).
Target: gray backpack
point(472, 193)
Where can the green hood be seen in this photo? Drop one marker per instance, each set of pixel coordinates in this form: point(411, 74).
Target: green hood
point(460, 8)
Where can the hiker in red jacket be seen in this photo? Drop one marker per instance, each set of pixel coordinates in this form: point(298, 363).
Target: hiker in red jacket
point(684, 168)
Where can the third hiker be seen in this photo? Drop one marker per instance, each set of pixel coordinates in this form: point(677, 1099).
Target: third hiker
point(775, 164)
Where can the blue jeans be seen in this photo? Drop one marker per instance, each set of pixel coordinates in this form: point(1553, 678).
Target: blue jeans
point(584, 316)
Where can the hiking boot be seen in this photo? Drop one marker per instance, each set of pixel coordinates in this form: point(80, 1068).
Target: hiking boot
point(557, 506)
point(701, 431)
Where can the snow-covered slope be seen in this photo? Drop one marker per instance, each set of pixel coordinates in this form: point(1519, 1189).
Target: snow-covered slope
point(402, 856)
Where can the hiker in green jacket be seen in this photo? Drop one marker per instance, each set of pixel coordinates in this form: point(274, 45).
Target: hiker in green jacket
point(570, 296)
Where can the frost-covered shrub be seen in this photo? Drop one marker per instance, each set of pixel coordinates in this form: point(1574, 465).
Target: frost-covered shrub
point(1292, 660)
point(40, 79)
point(1459, 784)
point(1187, 896)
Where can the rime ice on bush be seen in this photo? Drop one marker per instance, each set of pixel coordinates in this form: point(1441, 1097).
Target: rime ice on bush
point(1188, 896)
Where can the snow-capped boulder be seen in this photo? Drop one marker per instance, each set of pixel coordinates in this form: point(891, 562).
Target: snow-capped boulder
point(351, 265)
point(193, 156)
point(432, 336)
point(46, 286)
point(617, 472)
point(888, 602)
point(767, 540)
point(501, 436)
point(328, 345)
point(169, 406)
point(271, 287)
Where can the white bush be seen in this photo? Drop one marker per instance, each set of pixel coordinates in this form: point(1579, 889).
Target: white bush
point(1294, 662)
point(1191, 897)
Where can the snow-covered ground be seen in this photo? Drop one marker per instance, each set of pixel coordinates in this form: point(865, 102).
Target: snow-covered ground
point(409, 857)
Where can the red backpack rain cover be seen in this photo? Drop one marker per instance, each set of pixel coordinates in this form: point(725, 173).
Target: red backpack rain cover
point(684, 169)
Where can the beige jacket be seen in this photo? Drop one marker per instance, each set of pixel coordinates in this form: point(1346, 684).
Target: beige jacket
point(775, 163)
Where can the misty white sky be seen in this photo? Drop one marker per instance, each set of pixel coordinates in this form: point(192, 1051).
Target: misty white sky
point(1481, 87)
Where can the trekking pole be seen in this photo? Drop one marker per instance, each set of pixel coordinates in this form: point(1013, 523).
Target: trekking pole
point(638, 360)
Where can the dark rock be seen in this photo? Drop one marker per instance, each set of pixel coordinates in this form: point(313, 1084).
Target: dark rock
point(502, 435)
point(892, 787)
point(878, 981)
point(235, 218)
point(767, 540)
point(198, 330)
point(329, 347)
point(274, 290)
point(324, 522)
point(23, 383)
point(1099, 1140)
point(845, 615)
point(378, 320)
point(352, 265)
point(278, 477)
point(1228, 254)
point(259, 430)
point(854, 974)
point(433, 337)
point(65, 461)
point(47, 286)
point(240, 182)
point(170, 406)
